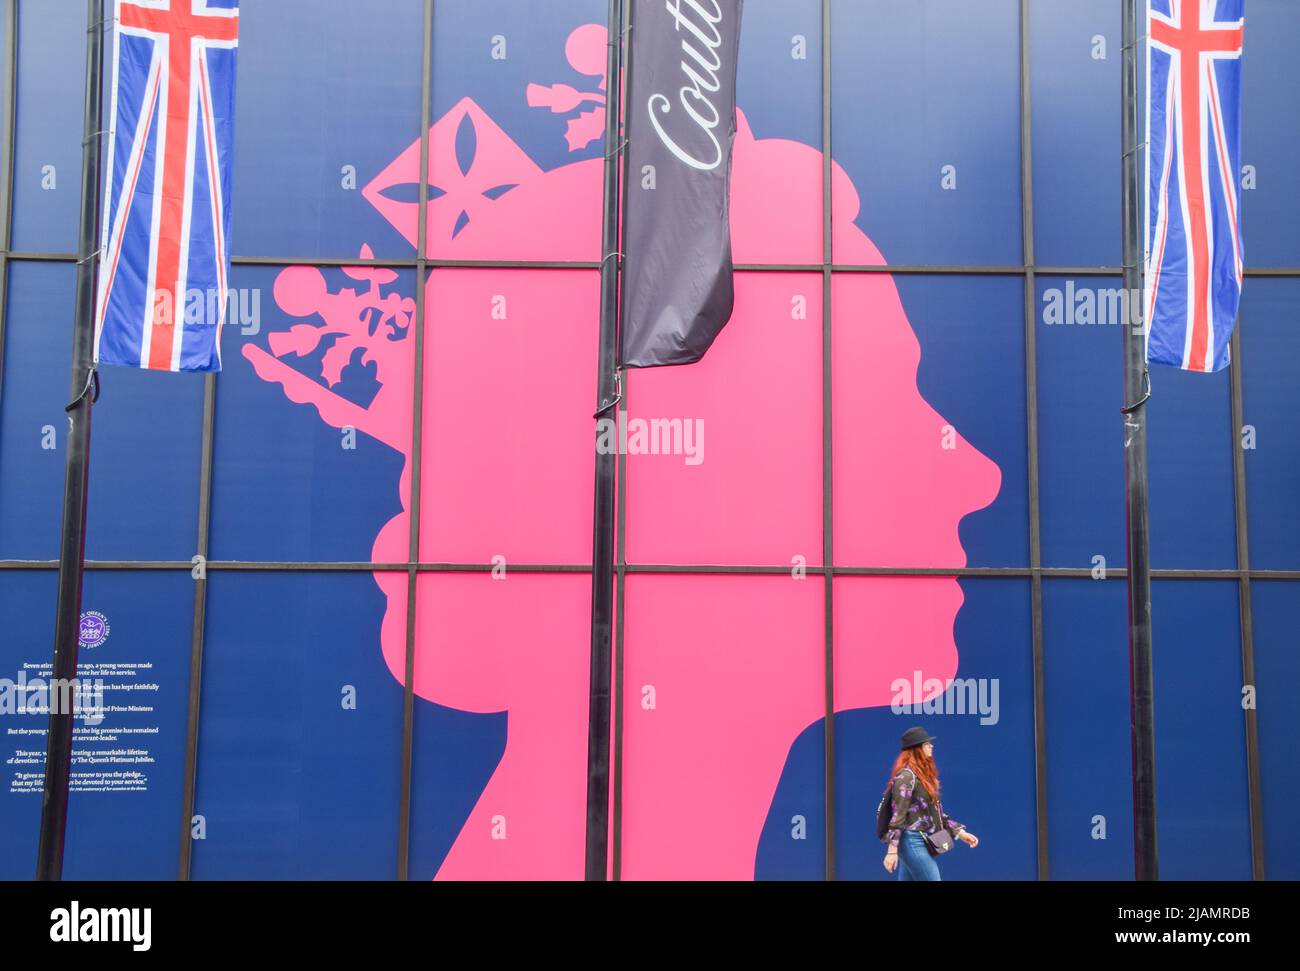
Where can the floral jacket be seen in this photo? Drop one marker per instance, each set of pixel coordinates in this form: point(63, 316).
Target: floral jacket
point(911, 810)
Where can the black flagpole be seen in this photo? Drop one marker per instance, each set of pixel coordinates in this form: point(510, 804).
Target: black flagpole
point(602, 556)
point(58, 754)
point(1136, 393)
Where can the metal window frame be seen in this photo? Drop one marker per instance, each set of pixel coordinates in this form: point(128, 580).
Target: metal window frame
point(425, 266)
point(1247, 629)
point(8, 117)
point(1031, 432)
point(828, 506)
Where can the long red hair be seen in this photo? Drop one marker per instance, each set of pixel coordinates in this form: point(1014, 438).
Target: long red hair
point(922, 765)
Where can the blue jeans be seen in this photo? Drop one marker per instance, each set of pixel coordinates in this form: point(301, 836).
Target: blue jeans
point(914, 860)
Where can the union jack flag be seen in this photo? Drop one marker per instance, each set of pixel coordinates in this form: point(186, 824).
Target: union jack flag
point(163, 280)
point(1193, 244)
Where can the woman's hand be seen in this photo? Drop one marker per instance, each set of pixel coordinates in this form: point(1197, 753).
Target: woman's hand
point(891, 860)
point(969, 838)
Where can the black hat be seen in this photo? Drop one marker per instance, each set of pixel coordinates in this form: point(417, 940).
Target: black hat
point(916, 736)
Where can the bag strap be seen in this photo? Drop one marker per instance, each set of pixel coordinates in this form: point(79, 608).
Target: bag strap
point(934, 799)
point(934, 813)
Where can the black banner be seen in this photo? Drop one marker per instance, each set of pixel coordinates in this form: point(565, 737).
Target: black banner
point(680, 125)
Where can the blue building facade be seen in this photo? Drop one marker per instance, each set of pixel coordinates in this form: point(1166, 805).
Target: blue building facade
point(234, 535)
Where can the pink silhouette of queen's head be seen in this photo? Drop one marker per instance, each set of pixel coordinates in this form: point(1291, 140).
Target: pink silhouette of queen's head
point(735, 662)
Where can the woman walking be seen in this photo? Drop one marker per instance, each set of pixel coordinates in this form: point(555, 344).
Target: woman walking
point(919, 829)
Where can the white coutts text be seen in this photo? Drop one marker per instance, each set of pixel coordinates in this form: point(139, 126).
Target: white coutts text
point(701, 66)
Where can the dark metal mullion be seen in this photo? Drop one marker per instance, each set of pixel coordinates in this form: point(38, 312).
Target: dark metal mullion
point(8, 108)
point(8, 111)
point(417, 433)
point(620, 568)
point(428, 263)
point(913, 269)
point(1247, 614)
point(4, 299)
point(901, 269)
point(7, 115)
point(620, 485)
point(253, 566)
point(1272, 271)
point(1031, 441)
point(190, 778)
point(828, 558)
